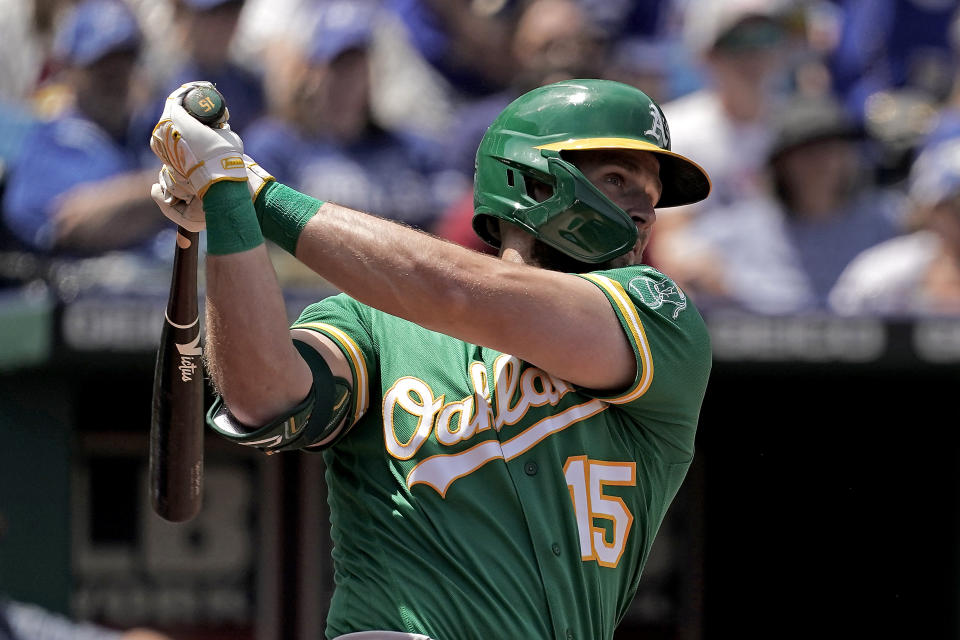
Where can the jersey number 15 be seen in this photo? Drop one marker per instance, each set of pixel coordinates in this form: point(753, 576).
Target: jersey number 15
point(586, 480)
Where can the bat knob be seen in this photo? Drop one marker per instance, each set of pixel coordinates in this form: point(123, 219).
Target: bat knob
point(206, 104)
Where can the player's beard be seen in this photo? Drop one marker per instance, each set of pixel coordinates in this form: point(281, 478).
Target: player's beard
point(546, 257)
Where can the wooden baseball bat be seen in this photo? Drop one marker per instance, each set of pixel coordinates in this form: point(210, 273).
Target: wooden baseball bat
point(177, 424)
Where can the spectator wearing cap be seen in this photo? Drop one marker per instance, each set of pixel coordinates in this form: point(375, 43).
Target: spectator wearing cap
point(782, 251)
point(321, 135)
point(741, 45)
point(917, 274)
point(82, 171)
point(205, 33)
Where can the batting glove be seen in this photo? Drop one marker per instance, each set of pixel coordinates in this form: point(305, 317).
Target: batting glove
point(200, 154)
point(175, 197)
point(178, 203)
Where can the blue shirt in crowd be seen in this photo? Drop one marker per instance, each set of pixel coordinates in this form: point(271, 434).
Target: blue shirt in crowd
point(58, 155)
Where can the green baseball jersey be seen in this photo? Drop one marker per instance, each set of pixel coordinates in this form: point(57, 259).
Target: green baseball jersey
point(477, 496)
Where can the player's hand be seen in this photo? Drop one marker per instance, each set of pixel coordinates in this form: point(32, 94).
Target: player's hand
point(201, 154)
point(178, 203)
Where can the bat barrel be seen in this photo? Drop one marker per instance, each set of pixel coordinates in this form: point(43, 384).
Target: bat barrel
point(177, 426)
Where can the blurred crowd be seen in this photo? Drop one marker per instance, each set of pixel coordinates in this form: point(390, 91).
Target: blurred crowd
point(830, 128)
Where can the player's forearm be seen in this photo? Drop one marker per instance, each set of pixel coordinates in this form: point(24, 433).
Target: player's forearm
point(250, 355)
point(508, 306)
point(400, 270)
point(497, 303)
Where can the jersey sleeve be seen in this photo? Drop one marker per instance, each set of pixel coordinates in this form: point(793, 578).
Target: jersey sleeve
point(346, 322)
point(672, 349)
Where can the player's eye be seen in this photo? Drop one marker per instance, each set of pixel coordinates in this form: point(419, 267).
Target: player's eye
point(615, 179)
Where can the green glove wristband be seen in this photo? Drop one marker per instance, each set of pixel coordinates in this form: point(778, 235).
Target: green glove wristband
point(283, 213)
point(232, 224)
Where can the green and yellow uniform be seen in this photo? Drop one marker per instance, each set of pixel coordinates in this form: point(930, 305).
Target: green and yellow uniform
point(477, 496)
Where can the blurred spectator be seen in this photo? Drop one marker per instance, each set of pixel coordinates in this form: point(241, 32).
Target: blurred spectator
point(434, 56)
point(662, 68)
point(741, 45)
point(462, 39)
point(625, 18)
point(893, 45)
point(647, 48)
point(205, 32)
point(894, 67)
point(20, 621)
point(82, 182)
point(321, 136)
point(554, 40)
point(782, 252)
point(724, 125)
point(919, 273)
point(21, 53)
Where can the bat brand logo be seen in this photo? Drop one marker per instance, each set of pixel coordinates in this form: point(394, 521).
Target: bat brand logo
point(188, 352)
point(191, 348)
point(187, 367)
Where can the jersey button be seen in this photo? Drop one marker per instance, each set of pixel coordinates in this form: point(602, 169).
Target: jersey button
point(531, 468)
point(556, 549)
point(569, 634)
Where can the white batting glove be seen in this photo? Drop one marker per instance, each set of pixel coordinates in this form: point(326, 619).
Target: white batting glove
point(201, 154)
point(257, 177)
point(178, 204)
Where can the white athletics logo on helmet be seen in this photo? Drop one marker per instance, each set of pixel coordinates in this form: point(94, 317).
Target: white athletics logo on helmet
point(656, 293)
point(659, 128)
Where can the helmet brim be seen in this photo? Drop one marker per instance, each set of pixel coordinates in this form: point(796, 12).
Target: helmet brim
point(683, 180)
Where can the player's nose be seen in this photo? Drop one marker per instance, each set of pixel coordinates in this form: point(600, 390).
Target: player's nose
point(643, 216)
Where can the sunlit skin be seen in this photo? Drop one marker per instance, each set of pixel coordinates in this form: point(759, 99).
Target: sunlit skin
point(630, 178)
point(506, 305)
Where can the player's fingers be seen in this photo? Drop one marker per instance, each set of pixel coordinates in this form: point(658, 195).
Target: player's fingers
point(175, 183)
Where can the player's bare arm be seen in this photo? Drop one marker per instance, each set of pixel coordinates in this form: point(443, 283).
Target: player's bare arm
point(250, 356)
point(532, 313)
point(503, 304)
point(559, 322)
point(508, 304)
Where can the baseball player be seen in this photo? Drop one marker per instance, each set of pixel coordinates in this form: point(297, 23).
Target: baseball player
point(502, 436)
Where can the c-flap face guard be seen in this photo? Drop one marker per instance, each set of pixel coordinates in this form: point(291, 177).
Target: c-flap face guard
point(578, 219)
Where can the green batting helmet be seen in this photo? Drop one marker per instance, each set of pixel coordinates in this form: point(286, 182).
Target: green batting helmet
point(526, 140)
